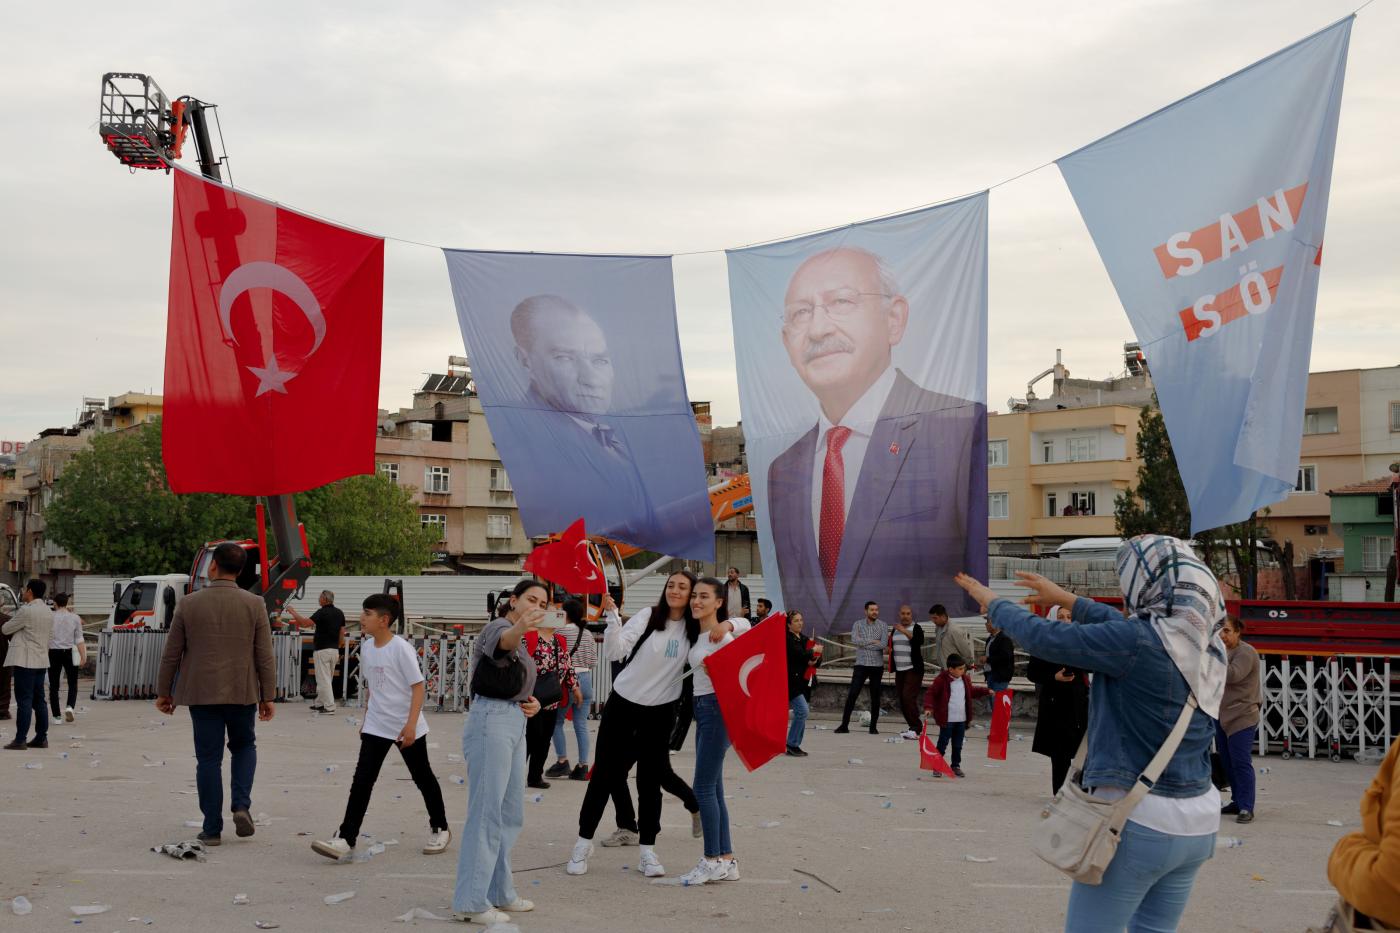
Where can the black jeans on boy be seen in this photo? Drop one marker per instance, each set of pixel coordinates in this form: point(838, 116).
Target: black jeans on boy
point(373, 749)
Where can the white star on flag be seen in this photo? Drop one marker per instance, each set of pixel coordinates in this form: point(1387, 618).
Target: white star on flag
point(270, 378)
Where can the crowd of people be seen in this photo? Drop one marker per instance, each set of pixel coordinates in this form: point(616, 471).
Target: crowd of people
point(1168, 677)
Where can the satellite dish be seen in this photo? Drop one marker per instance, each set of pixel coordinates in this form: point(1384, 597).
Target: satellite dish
point(388, 426)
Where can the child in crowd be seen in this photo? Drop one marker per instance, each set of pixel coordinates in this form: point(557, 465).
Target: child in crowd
point(949, 701)
point(393, 716)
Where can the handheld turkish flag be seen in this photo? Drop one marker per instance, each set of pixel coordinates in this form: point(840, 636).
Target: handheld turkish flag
point(929, 758)
point(568, 563)
point(272, 346)
point(1001, 725)
point(750, 678)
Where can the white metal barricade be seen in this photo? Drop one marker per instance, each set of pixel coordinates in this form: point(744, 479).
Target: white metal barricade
point(128, 664)
point(1333, 706)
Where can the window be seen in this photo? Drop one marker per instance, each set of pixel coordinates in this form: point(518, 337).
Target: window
point(1307, 479)
point(1047, 452)
point(1082, 503)
point(1314, 529)
point(1395, 416)
point(1320, 421)
point(997, 453)
point(499, 481)
point(437, 479)
point(1052, 507)
point(1375, 552)
point(1082, 448)
point(434, 520)
point(390, 470)
point(999, 505)
point(498, 526)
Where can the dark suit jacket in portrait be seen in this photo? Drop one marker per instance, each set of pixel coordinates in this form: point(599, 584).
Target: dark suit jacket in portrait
point(637, 479)
point(908, 529)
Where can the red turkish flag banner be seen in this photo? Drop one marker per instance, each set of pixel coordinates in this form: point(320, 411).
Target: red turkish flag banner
point(750, 678)
point(1001, 725)
point(929, 758)
point(568, 563)
point(272, 346)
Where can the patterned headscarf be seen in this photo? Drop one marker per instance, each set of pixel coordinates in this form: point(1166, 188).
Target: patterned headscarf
point(1166, 584)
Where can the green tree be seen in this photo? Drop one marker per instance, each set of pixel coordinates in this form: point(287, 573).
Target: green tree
point(365, 525)
point(113, 509)
point(1157, 504)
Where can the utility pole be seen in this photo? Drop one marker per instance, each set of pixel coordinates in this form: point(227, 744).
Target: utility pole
point(1252, 590)
point(1395, 532)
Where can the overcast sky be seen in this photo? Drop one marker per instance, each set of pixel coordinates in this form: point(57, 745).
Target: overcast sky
point(639, 127)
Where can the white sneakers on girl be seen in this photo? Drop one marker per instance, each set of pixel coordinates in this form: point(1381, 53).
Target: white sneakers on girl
point(485, 918)
point(578, 864)
point(518, 906)
point(706, 871)
point(438, 842)
point(335, 847)
point(650, 865)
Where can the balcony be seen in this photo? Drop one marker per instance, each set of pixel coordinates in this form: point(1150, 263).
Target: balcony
point(1074, 526)
point(1083, 471)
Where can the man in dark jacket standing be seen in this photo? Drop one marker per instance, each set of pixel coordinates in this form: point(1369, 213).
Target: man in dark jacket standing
point(907, 663)
point(1062, 717)
point(220, 645)
point(999, 660)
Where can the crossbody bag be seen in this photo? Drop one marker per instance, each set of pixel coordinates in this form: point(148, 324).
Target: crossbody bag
point(1079, 833)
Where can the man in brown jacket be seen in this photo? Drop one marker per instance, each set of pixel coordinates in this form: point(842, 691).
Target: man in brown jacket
point(220, 646)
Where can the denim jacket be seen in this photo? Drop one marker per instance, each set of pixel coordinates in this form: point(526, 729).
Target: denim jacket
point(1135, 700)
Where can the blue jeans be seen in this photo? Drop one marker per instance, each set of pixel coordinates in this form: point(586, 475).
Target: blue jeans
point(561, 746)
point(211, 723)
point(954, 731)
point(1146, 886)
point(798, 729)
point(711, 742)
point(1235, 756)
point(493, 747)
point(29, 698)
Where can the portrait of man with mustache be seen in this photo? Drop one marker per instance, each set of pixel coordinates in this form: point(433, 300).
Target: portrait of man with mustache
point(871, 503)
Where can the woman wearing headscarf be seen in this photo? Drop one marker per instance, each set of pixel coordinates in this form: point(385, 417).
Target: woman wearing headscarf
point(1148, 666)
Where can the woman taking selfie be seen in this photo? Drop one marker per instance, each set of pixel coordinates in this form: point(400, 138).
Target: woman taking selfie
point(502, 679)
point(638, 717)
point(711, 738)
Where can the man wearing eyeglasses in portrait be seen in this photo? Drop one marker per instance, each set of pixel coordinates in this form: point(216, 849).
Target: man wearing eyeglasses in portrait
point(871, 503)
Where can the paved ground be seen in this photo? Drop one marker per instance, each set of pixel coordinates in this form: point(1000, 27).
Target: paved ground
point(78, 831)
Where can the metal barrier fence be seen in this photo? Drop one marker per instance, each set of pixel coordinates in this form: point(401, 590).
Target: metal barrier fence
point(128, 664)
point(1328, 706)
point(444, 661)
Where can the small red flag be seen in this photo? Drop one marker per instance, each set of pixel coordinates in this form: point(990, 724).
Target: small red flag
point(929, 758)
point(1001, 725)
point(567, 562)
point(750, 678)
point(272, 346)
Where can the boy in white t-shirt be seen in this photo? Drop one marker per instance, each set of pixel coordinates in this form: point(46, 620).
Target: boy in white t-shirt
point(949, 702)
point(393, 716)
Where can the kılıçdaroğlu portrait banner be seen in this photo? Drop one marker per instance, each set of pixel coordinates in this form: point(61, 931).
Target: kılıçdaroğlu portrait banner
point(1209, 216)
point(862, 359)
point(578, 365)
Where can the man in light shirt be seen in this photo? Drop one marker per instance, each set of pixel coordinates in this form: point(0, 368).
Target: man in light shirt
point(868, 636)
point(872, 500)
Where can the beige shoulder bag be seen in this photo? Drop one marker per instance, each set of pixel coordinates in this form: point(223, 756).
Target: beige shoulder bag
point(1078, 833)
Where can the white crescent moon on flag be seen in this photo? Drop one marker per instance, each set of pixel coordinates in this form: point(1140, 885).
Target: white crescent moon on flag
point(587, 561)
point(746, 669)
point(252, 275)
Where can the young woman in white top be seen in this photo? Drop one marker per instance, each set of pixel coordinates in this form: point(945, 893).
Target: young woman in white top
point(637, 720)
point(711, 739)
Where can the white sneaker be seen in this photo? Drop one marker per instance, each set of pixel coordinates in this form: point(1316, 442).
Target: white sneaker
point(518, 906)
point(731, 870)
point(438, 842)
point(909, 734)
point(335, 848)
point(650, 865)
point(68, 714)
point(705, 871)
point(620, 837)
point(485, 918)
point(578, 864)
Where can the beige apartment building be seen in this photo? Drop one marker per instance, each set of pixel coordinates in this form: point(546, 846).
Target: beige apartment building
point(1056, 465)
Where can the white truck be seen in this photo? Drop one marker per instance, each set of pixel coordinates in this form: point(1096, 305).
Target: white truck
point(146, 601)
point(9, 600)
